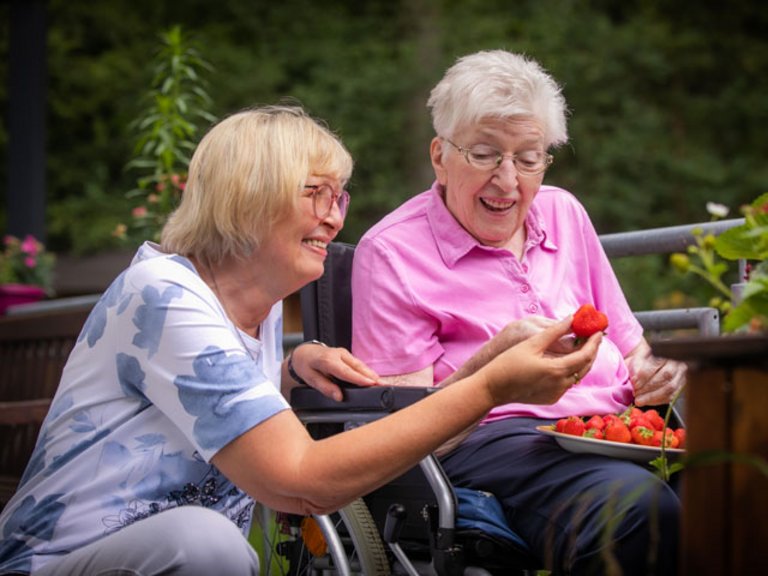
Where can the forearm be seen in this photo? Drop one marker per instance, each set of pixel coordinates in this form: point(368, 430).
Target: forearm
point(324, 475)
point(379, 451)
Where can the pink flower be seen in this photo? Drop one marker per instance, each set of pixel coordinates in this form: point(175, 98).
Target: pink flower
point(30, 261)
point(30, 245)
point(178, 182)
point(139, 212)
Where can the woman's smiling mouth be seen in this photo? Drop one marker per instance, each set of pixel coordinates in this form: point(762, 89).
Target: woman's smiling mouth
point(497, 204)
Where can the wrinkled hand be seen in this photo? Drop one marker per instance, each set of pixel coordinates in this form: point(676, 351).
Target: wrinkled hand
point(530, 373)
point(519, 330)
point(655, 380)
point(316, 364)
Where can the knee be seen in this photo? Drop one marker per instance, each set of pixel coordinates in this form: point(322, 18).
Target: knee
point(212, 543)
point(656, 510)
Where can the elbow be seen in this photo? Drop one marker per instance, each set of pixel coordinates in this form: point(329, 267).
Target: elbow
point(321, 506)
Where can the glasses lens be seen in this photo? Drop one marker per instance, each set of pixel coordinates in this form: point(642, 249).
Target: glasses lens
point(531, 162)
point(323, 199)
point(483, 157)
point(343, 202)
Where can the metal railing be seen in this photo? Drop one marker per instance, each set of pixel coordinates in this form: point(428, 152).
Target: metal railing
point(664, 240)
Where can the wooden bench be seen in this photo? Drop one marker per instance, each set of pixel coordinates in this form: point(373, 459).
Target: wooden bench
point(33, 350)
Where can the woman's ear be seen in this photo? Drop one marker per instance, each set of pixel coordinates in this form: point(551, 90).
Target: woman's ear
point(436, 149)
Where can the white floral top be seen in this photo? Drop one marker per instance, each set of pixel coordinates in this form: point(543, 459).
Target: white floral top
point(158, 382)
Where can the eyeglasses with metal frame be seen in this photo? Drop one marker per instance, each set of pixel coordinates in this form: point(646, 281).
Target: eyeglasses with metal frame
point(484, 157)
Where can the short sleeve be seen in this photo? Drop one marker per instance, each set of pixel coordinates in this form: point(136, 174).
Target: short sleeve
point(389, 328)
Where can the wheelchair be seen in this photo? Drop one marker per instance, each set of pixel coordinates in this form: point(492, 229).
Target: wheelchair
point(419, 524)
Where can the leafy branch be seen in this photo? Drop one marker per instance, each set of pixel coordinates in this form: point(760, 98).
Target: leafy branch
point(167, 133)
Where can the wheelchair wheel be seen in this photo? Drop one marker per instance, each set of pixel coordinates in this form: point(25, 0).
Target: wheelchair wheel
point(344, 543)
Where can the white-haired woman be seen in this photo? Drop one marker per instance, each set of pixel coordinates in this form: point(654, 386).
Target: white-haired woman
point(486, 257)
point(169, 419)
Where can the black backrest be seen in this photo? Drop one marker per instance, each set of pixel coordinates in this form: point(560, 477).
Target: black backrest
point(326, 304)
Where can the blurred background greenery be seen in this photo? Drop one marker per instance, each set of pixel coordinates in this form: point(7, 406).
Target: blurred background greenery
point(668, 100)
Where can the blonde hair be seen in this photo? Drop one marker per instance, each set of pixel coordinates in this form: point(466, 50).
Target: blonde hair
point(498, 84)
point(246, 174)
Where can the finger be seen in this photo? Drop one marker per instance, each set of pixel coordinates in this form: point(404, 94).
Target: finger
point(345, 366)
point(580, 361)
point(551, 334)
point(326, 387)
point(354, 370)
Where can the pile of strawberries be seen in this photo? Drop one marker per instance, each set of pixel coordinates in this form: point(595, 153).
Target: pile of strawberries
point(633, 426)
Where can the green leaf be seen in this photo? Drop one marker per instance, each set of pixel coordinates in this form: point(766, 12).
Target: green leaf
point(732, 244)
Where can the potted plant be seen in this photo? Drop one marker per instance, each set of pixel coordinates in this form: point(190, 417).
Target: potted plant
point(745, 304)
point(26, 271)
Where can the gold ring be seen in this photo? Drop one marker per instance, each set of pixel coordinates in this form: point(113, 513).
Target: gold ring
point(576, 377)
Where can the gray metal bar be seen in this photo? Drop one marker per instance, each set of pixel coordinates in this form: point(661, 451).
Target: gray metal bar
point(335, 546)
point(706, 320)
point(660, 240)
point(54, 304)
point(292, 339)
point(446, 505)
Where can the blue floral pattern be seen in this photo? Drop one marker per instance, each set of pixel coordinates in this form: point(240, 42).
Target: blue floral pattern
point(144, 405)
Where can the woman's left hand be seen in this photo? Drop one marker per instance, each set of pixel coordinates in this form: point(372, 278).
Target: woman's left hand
point(655, 380)
point(316, 364)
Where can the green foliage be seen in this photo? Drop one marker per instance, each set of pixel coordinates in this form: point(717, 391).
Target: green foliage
point(167, 133)
point(668, 118)
point(747, 242)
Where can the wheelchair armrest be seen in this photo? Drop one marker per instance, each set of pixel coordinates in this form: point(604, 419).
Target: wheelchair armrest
point(356, 398)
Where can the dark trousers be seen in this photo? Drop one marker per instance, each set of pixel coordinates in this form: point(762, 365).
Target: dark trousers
point(580, 513)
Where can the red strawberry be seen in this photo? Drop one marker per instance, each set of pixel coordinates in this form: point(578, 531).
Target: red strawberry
point(574, 425)
point(587, 320)
point(642, 435)
point(593, 433)
point(617, 431)
point(596, 422)
point(640, 420)
point(680, 433)
point(654, 418)
point(672, 440)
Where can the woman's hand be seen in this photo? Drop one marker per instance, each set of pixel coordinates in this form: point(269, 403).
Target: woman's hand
point(532, 373)
point(316, 364)
point(655, 380)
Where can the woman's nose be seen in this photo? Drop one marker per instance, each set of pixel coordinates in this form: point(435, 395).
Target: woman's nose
point(335, 218)
point(506, 171)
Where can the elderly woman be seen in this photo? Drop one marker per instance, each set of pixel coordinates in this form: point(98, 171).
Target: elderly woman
point(485, 258)
point(169, 421)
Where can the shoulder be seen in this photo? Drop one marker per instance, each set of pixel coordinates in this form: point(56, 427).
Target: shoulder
point(402, 222)
point(553, 197)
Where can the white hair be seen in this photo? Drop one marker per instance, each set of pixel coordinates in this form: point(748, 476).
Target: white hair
point(498, 84)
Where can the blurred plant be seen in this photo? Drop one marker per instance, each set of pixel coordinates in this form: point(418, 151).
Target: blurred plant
point(167, 134)
point(26, 262)
point(748, 242)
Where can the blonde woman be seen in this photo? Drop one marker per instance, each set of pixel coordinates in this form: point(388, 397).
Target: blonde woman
point(170, 418)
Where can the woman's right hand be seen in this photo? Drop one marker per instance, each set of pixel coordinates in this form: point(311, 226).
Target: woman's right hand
point(532, 372)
